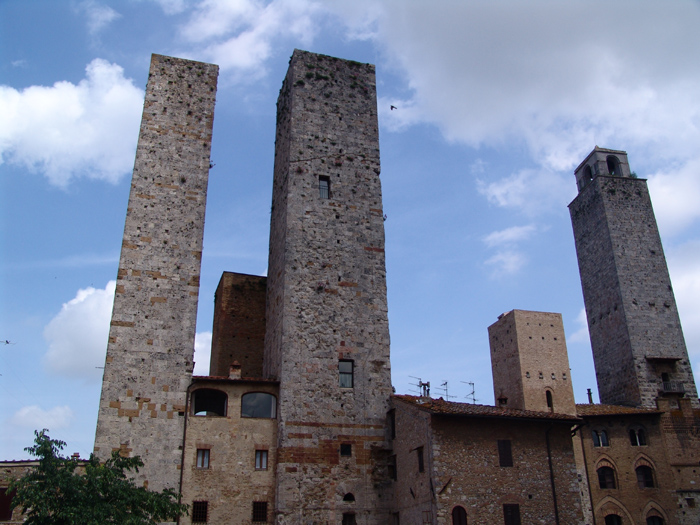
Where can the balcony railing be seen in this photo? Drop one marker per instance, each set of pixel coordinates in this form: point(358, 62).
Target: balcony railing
point(673, 387)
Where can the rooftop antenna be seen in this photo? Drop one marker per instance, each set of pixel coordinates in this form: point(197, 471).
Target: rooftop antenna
point(443, 386)
point(423, 387)
point(471, 395)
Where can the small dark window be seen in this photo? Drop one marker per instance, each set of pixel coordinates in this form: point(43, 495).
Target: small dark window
point(421, 464)
point(199, 511)
point(345, 372)
point(614, 166)
point(613, 519)
point(606, 478)
point(645, 477)
point(459, 516)
point(202, 458)
point(392, 467)
point(587, 175)
point(600, 438)
point(260, 511)
point(259, 404)
point(349, 497)
point(392, 423)
point(690, 503)
point(349, 518)
point(550, 403)
point(346, 449)
point(638, 437)
point(397, 519)
point(655, 520)
point(209, 402)
point(505, 453)
point(261, 460)
point(324, 187)
point(511, 514)
point(6, 504)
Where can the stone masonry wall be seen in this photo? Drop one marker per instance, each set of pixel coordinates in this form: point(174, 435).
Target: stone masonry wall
point(327, 294)
point(239, 325)
point(466, 470)
point(151, 340)
point(629, 300)
point(231, 482)
point(528, 358)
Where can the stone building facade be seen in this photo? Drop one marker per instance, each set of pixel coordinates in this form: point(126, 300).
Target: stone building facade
point(297, 424)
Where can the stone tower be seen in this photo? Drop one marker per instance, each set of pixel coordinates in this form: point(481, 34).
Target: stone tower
point(638, 345)
point(529, 362)
point(151, 339)
point(327, 336)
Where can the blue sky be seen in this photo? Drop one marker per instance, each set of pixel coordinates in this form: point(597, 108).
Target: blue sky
point(498, 102)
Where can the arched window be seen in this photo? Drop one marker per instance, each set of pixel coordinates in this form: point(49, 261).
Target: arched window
point(613, 519)
point(459, 516)
point(209, 402)
point(600, 438)
point(638, 437)
point(349, 497)
point(606, 478)
point(655, 520)
point(614, 166)
point(645, 477)
point(259, 404)
point(550, 402)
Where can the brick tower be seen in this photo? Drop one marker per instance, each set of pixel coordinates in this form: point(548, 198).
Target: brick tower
point(529, 362)
point(327, 336)
point(636, 336)
point(151, 339)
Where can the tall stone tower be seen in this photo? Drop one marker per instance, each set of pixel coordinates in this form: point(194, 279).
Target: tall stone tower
point(327, 336)
point(529, 362)
point(638, 345)
point(151, 339)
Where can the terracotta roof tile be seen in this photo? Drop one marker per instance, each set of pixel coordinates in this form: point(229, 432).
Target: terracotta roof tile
point(612, 410)
point(439, 406)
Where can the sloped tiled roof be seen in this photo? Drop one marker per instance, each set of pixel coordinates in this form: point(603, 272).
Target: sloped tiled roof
point(450, 408)
point(612, 410)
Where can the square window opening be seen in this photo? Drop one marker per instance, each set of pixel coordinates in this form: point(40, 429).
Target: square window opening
point(346, 373)
point(202, 458)
point(346, 449)
point(261, 460)
point(260, 512)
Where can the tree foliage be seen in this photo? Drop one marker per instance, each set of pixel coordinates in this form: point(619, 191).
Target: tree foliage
point(68, 491)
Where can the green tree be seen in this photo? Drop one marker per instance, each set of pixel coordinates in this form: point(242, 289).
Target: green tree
point(68, 491)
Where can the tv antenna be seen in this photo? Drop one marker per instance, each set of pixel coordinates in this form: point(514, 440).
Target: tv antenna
point(443, 386)
point(423, 387)
point(471, 395)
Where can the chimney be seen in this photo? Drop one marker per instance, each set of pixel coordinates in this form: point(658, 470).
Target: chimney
point(590, 396)
point(234, 371)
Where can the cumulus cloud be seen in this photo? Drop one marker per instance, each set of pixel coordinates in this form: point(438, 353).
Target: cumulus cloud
point(531, 192)
point(77, 336)
point(508, 259)
point(98, 15)
point(675, 191)
point(70, 130)
point(685, 275)
point(202, 353)
point(509, 235)
point(34, 417)
point(240, 35)
point(581, 334)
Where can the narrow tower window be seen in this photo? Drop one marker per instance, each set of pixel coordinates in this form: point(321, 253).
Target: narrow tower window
point(261, 460)
point(550, 402)
point(346, 373)
point(324, 187)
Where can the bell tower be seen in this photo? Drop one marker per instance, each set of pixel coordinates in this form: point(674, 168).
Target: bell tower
point(636, 336)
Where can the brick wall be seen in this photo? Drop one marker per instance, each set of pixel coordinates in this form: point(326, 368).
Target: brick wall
point(239, 325)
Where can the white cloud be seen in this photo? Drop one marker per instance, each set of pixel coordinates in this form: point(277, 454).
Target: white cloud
point(532, 192)
point(34, 417)
point(581, 334)
point(675, 191)
point(172, 7)
point(98, 16)
point(685, 274)
point(67, 130)
point(77, 336)
point(509, 235)
point(507, 261)
point(240, 35)
point(202, 353)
